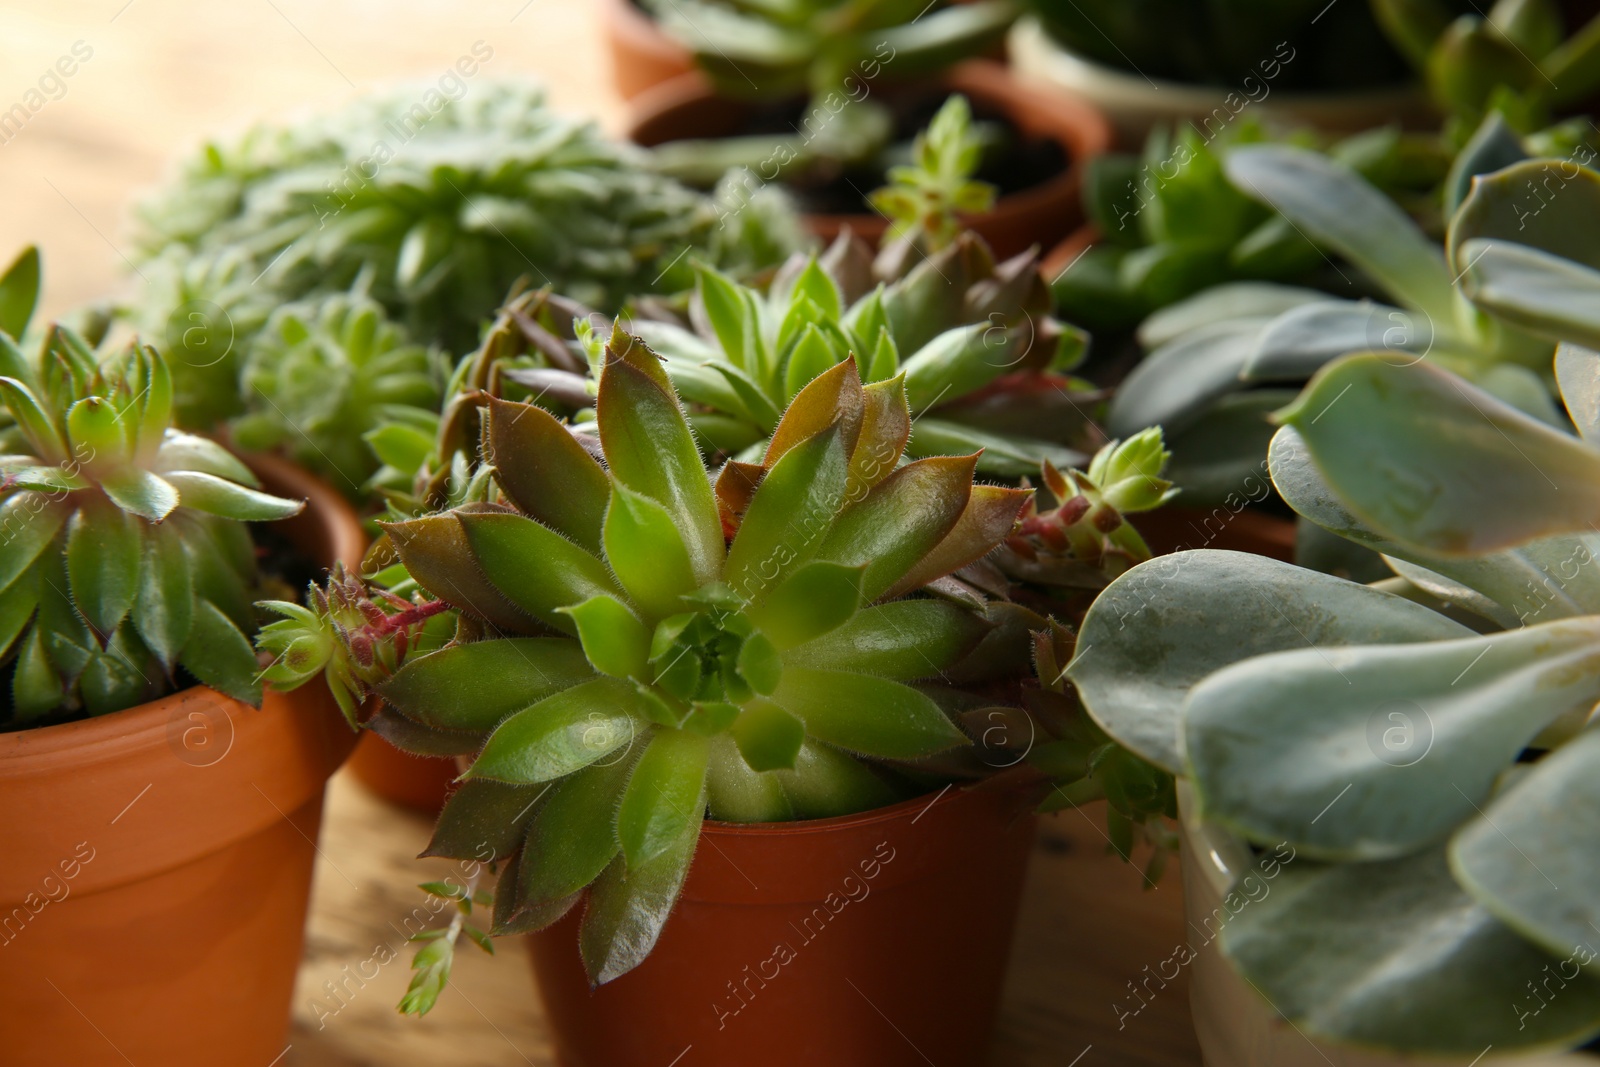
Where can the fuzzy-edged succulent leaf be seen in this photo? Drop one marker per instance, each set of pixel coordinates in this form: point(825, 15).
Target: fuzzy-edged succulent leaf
point(789, 516)
point(834, 396)
point(614, 639)
point(813, 600)
point(437, 555)
point(1530, 859)
point(546, 473)
point(562, 733)
point(665, 797)
point(650, 449)
point(220, 655)
point(1166, 624)
point(573, 835)
point(1403, 742)
point(29, 522)
point(903, 640)
point(769, 738)
point(533, 567)
point(218, 496)
point(902, 520)
point(163, 606)
point(628, 906)
point(647, 553)
point(1430, 460)
point(1394, 955)
point(483, 821)
point(988, 519)
point(864, 714)
point(474, 686)
point(885, 429)
point(143, 493)
point(103, 550)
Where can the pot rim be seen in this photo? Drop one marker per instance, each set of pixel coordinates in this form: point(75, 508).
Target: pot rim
point(950, 794)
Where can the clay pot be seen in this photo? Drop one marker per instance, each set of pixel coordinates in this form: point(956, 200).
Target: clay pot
point(642, 55)
point(1178, 529)
point(158, 862)
point(686, 107)
point(421, 783)
point(878, 938)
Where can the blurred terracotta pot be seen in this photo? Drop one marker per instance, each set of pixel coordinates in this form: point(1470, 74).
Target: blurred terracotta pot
point(1247, 529)
point(878, 938)
point(686, 107)
point(421, 783)
point(642, 55)
point(158, 861)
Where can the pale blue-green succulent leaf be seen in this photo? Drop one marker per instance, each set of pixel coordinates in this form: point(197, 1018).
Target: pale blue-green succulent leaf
point(1300, 342)
point(1172, 386)
point(1230, 302)
point(1578, 373)
point(1537, 291)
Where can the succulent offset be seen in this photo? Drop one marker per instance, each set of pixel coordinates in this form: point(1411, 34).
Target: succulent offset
point(1425, 745)
point(126, 556)
point(924, 198)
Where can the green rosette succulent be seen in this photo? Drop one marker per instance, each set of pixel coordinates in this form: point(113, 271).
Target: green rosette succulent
point(127, 559)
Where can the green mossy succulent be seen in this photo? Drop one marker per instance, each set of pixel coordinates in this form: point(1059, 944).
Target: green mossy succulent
point(126, 556)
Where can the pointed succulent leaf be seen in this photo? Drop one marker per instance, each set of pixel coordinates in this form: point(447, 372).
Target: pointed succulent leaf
point(17, 604)
point(218, 496)
point(1298, 343)
point(1176, 383)
point(411, 736)
point(813, 355)
point(628, 906)
point(533, 567)
point(561, 733)
point(903, 640)
point(1415, 734)
point(1159, 629)
point(900, 521)
point(163, 605)
point(474, 686)
point(885, 428)
point(483, 821)
point(789, 516)
point(737, 793)
point(1230, 302)
point(1329, 947)
point(989, 517)
point(220, 655)
point(30, 416)
point(957, 362)
point(103, 551)
point(665, 798)
point(19, 292)
point(745, 395)
point(36, 687)
point(811, 601)
point(818, 286)
point(647, 553)
point(871, 716)
point(1415, 452)
point(650, 449)
point(614, 641)
point(759, 664)
point(768, 737)
point(546, 473)
point(28, 523)
point(190, 452)
point(730, 316)
point(573, 835)
point(834, 396)
point(435, 552)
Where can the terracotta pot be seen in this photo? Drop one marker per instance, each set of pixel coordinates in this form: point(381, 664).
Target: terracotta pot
point(1176, 529)
point(421, 783)
point(642, 55)
point(687, 108)
point(1136, 104)
point(158, 863)
point(1236, 1027)
point(876, 939)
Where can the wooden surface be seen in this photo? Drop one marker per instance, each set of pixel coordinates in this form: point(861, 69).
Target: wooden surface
point(1086, 931)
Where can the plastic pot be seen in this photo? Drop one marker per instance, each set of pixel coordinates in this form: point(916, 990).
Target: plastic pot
point(642, 55)
point(1236, 1027)
point(158, 861)
point(421, 783)
point(875, 939)
point(686, 107)
point(1136, 104)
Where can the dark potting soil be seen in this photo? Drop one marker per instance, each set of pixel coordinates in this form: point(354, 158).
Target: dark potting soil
point(1017, 162)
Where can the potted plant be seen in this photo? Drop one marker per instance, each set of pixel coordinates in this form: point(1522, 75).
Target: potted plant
point(1396, 778)
point(1163, 62)
point(162, 806)
point(826, 97)
point(642, 54)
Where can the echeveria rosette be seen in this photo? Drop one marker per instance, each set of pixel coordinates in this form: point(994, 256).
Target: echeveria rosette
point(671, 648)
point(1426, 745)
point(985, 364)
point(126, 554)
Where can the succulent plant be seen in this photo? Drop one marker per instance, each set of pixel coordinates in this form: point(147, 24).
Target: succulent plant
point(1220, 361)
point(924, 198)
point(1526, 58)
point(832, 51)
point(446, 211)
point(1170, 223)
point(984, 363)
point(1425, 746)
point(325, 371)
point(1293, 44)
point(126, 558)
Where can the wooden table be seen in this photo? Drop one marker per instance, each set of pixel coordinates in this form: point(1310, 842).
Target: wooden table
point(1086, 931)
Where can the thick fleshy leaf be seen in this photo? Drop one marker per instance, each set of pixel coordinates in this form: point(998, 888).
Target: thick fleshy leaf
point(17, 604)
point(573, 835)
point(1534, 290)
point(163, 607)
point(836, 396)
point(188, 452)
point(989, 517)
point(1172, 386)
point(813, 355)
point(408, 735)
point(902, 639)
point(546, 473)
point(29, 522)
point(826, 782)
point(647, 553)
point(736, 793)
point(864, 714)
point(1531, 859)
point(1003, 455)
point(95, 429)
point(958, 362)
point(220, 655)
point(1395, 956)
point(885, 428)
point(1578, 372)
point(435, 552)
point(665, 798)
point(1427, 459)
point(1298, 343)
point(534, 567)
point(628, 906)
point(1232, 302)
point(474, 686)
point(790, 515)
point(614, 640)
point(768, 737)
point(562, 733)
point(217, 496)
point(139, 492)
point(1216, 459)
point(1493, 146)
point(483, 821)
point(1509, 206)
point(1401, 743)
point(103, 551)
point(722, 308)
point(30, 416)
point(36, 687)
point(19, 292)
point(1164, 625)
point(1340, 211)
point(901, 520)
point(813, 600)
point(649, 449)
